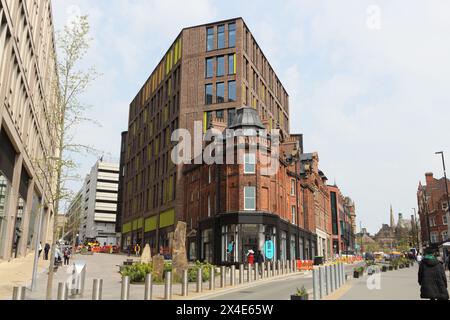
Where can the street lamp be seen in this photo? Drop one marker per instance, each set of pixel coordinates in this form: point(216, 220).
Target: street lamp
point(445, 180)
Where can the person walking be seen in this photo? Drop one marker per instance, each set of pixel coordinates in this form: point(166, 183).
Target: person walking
point(67, 255)
point(260, 260)
point(432, 278)
point(46, 250)
point(40, 249)
point(137, 249)
point(251, 257)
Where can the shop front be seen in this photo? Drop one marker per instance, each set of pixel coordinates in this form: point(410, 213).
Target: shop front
point(231, 238)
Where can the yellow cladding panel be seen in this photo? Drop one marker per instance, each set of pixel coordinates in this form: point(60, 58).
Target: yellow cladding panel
point(126, 227)
point(167, 218)
point(150, 224)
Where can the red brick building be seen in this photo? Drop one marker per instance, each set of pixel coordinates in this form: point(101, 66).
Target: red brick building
point(433, 210)
point(233, 208)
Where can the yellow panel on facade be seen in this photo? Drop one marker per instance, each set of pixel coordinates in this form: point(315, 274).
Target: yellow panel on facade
point(126, 227)
point(167, 218)
point(135, 225)
point(205, 122)
point(140, 223)
point(150, 224)
point(234, 58)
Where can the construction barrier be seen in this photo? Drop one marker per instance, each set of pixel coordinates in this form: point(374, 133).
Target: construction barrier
point(305, 265)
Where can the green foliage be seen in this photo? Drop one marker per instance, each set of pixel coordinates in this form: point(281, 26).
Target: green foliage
point(359, 269)
point(137, 272)
point(167, 266)
point(206, 268)
point(301, 292)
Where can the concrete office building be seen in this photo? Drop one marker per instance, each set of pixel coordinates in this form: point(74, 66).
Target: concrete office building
point(209, 71)
point(99, 204)
point(27, 78)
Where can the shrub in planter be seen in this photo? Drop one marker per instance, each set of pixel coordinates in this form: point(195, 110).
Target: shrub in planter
point(136, 272)
point(206, 270)
point(301, 294)
point(391, 268)
point(384, 269)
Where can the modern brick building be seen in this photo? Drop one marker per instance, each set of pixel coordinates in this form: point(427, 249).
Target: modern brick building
point(27, 75)
point(433, 210)
point(208, 72)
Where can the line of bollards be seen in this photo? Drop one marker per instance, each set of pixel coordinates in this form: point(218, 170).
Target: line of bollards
point(328, 279)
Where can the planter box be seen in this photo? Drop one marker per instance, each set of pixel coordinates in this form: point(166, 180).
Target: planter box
point(304, 298)
point(401, 266)
point(355, 274)
point(396, 268)
point(391, 268)
point(384, 269)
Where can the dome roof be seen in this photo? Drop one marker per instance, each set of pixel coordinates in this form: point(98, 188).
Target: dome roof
point(247, 118)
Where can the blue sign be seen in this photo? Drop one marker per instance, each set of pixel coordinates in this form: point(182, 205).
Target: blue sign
point(269, 249)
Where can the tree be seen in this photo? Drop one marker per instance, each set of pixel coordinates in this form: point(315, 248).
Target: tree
point(63, 117)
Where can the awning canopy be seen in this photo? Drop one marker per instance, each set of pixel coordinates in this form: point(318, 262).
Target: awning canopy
point(446, 244)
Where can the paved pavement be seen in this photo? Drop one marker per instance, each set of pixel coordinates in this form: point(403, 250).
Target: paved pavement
point(394, 285)
point(277, 289)
point(18, 272)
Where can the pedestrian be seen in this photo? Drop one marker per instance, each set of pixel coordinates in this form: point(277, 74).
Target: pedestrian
point(46, 250)
point(137, 249)
point(251, 257)
point(259, 260)
point(432, 278)
point(40, 249)
point(129, 250)
point(419, 257)
point(67, 254)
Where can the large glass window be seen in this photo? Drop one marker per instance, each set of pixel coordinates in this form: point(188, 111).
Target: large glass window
point(250, 198)
point(293, 248)
point(232, 91)
point(18, 230)
point(283, 248)
point(301, 249)
point(209, 94)
point(220, 92)
point(207, 248)
point(249, 163)
point(230, 244)
point(209, 67)
point(221, 37)
point(34, 222)
point(232, 35)
point(220, 66)
point(294, 214)
point(232, 64)
point(210, 39)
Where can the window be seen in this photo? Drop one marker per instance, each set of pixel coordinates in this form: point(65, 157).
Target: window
point(249, 163)
point(209, 206)
point(232, 91)
point(444, 206)
point(292, 187)
point(434, 237)
point(208, 94)
point(444, 235)
point(232, 35)
point(444, 220)
point(220, 92)
point(220, 66)
point(294, 214)
point(209, 67)
point(250, 198)
point(210, 39)
point(221, 37)
point(231, 115)
point(232, 64)
point(219, 114)
point(432, 222)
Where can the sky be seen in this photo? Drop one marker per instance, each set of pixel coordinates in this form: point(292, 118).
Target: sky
point(368, 81)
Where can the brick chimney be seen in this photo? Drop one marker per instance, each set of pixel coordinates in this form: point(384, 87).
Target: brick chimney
point(429, 178)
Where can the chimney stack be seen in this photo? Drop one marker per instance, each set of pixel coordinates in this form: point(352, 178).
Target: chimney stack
point(429, 178)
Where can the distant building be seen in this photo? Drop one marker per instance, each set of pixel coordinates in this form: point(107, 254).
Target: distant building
point(390, 236)
point(433, 210)
point(93, 211)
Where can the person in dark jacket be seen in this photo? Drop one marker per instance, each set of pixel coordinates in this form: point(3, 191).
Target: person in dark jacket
point(259, 260)
point(432, 278)
point(46, 250)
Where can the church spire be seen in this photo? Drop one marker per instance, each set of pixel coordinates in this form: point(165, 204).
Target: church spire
point(392, 218)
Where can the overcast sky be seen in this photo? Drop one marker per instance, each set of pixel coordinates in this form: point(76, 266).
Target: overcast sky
point(368, 81)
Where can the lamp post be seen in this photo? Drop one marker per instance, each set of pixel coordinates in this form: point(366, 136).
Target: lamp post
point(416, 225)
point(445, 180)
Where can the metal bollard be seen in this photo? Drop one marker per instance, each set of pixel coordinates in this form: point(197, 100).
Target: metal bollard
point(316, 285)
point(328, 275)
point(332, 280)
point(289, 265)
point(223, 275)
point(168, 286)
point(278, 267)
point(97, 289)
point(336, 277)
point(295, 265)
point(241, 274)
point(233, 275)
point(263, 271)
point(62, 291)
point(184, 284)
point(322, 281)
point(256, 272)
point(249, 273)
point(286, 268)
point(199, 280)
point(268, 274)
point(273, 267)
point(212, 279)
point(125, 290)
point(148, 287)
